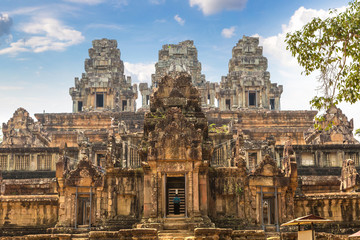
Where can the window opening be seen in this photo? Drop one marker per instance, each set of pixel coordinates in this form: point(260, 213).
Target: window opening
point(99, 100)
point(228, 104)
point(80, 105)
point(252, 99)
point(272, 104)
point(124, 104)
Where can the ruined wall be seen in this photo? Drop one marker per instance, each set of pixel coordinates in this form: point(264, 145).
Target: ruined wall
point(123, 199)
point(340, 207)
point(231, 204)
point(261, 124)
point(21, 214)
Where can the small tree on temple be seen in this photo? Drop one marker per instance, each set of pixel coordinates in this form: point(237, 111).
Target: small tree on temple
point(332, 47)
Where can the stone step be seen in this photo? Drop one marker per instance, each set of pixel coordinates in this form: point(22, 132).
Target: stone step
point(176, 226)
point(81, 236)
point(272, 235)
point(175, 235)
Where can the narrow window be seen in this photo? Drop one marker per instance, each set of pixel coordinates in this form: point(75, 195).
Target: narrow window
point(208, 99)
point(99, 100)
point(124, 104)
point(252, 160)
point(252, 99)
point(227, 103)
point(99, 159)
point(147, 99)
point(272, 104)
point(3, 162)
point(80, 105)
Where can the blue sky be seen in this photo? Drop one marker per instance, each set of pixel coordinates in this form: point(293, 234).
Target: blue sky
point(43, 44)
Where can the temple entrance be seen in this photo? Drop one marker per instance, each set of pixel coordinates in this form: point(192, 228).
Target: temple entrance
point(269, 211)
point(175, 196)
point(83, 217)
point(269, 215)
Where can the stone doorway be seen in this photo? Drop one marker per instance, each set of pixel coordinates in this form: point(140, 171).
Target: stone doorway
point(269, 211)
point(83, 216)
point(175, 185)
point(269, 208)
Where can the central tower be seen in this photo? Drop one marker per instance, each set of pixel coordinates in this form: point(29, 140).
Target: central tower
point(175, 152)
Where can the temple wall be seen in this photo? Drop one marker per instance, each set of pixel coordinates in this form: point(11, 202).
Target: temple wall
point(27, 212)
point(344, 207)
point(259, 125)
point(230, 199)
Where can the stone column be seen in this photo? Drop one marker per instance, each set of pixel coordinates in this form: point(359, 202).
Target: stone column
point(244, 97)
point(203, 194)
point(196, 192)
point(147, 195)
point(154, 196)
point(98, 205)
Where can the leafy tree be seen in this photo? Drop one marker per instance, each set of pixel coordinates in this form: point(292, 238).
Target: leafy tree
point(332, 47)
point(357, 132)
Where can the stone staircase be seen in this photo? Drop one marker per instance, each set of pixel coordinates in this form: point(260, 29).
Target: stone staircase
point(272, 235)
point(81, 236)
point(176, 235)
point(176, 224)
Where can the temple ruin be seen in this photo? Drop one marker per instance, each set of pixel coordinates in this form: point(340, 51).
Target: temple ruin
point(240, 165)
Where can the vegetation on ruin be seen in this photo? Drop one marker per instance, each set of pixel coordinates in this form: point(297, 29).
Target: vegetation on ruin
point(331, 47)
point(223, 129)
point(357, 132)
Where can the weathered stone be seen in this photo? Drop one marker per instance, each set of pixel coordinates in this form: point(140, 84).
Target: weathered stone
point(104, 86)
point(247, 84)
point(333, 129)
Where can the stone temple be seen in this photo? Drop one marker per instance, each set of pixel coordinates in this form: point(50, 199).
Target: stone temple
point(239, 164)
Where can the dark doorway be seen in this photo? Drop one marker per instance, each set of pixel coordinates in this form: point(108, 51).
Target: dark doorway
point(272, 104)
point(124, 104)
point(99, 100)
point(83, 217)
point(228, 104)
point(252, 99)
point(80, 105)
point(268, 211)
point(175, 185)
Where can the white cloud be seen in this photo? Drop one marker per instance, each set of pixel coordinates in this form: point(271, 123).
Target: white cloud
point(89, 2)
point(160, 21)
point(209, 7)
point(139, 72)
point(9, 88)
point(5, 24)
point(179, 20)
point(228, 32)
point(44, 34)
point(107, 26)
point(298, 89)
point(275, 45)
point(157, 2)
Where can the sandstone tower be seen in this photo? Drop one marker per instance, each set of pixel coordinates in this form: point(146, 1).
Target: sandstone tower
point(103, 86)
point(247, 84)
point(182, 57)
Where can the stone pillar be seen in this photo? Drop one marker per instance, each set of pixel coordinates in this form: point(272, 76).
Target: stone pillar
point(196, 192)
point(244, 98)
point(203, 194)
point(154, 195)
point(98, 205)
point(147, 195)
